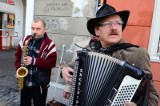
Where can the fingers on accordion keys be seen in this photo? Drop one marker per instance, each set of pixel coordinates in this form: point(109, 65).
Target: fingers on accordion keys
point(69, 81)
point(66, 95)
point(71, 73)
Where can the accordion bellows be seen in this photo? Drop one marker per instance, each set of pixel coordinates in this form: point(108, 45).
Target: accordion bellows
point(102, 80)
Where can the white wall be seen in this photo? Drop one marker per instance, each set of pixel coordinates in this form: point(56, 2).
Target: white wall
point(18, 10)
point(29, 16)
point(19, 26)
point(7, 8)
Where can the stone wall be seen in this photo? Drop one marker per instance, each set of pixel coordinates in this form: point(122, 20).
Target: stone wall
point(66, 22)
point(66, 25)
point(66, 19)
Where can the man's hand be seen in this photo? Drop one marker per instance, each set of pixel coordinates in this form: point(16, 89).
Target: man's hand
point(27, 60)
point(66, 95)
point(130, 104)
point(66, 74)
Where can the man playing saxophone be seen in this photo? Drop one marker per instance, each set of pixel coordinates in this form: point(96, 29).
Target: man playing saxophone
point(40, 59)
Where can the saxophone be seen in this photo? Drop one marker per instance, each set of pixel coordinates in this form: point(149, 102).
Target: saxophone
point(22, 71)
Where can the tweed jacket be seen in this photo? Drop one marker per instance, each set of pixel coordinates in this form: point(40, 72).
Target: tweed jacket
point(139, 58)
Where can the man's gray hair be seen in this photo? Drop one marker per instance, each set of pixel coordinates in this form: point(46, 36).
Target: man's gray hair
point(39, 20)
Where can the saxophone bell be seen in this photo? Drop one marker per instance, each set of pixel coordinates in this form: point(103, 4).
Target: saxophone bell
point(21, 73)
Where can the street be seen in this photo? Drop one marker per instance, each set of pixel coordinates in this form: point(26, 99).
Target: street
point(9, 94)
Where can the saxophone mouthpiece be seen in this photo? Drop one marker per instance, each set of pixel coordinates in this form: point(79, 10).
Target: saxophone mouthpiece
point(33, 35)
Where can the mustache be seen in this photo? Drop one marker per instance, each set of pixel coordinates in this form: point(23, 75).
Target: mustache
point(114, 32)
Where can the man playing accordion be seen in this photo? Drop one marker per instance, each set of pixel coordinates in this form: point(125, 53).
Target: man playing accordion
point(108, 26)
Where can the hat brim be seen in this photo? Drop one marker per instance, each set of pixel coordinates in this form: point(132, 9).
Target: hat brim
point(93, 21)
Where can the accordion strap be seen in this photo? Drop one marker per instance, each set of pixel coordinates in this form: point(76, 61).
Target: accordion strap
point(146, 84)
point(116, 47)
point(121, 46)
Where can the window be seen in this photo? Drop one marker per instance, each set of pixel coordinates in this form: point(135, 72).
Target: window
point(158, 46)
point(10, 2)
point(154, 43)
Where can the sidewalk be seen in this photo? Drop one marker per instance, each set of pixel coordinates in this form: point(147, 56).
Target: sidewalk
point(9, 94)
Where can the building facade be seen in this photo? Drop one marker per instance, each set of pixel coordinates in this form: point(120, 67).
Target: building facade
point(66, 24)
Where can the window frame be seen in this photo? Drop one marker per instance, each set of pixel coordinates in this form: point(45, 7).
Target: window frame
point(155, 34)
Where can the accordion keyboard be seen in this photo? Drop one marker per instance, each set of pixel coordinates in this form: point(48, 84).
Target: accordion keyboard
point(126, 90)
point(102, 80)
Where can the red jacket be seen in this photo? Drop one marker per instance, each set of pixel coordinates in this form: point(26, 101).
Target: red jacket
point(46, 58)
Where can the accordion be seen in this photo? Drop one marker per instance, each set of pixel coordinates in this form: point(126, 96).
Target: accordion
point(102, 80)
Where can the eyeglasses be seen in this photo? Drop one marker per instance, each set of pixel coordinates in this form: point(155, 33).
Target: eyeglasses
point(109, 24)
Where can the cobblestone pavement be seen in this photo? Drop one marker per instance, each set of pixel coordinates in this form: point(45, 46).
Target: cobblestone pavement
point(9, 94)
